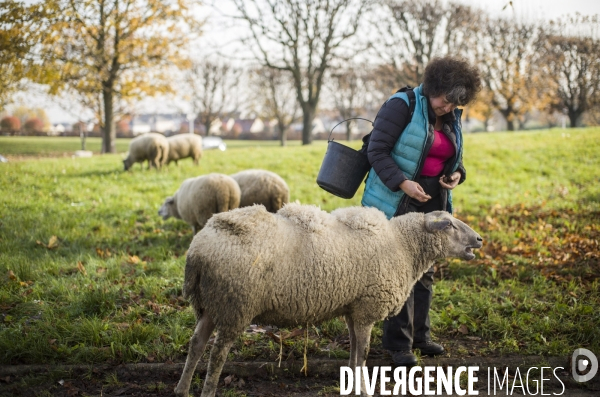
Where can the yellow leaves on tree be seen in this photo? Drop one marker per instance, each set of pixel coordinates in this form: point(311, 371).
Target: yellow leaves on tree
point(109, 51)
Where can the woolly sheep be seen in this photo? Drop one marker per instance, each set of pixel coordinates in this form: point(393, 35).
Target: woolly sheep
point(151, 146)
point(262, 187)
point(183, 146)
point(199, 198)
point(304, 266)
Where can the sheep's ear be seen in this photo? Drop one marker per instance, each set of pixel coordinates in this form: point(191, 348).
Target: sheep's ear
point(435, 223)
point(169, 200)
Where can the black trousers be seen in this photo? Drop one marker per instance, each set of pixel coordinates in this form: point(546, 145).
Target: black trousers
point(412, 323)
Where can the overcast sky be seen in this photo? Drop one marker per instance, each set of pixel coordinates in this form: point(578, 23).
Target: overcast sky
point(217, 34)
point(538, 9)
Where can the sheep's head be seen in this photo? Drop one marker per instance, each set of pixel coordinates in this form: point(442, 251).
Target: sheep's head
point(168, 209)
point(461, 239)
point(126, 163)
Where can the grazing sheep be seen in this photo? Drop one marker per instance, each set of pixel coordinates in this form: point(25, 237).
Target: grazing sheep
point(262, 187)
point(152, 147)
point(304, 266)
point(183, 146)
point(197, 199)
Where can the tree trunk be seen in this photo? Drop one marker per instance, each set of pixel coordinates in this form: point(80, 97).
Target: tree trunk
point(573, 117)
point(349, 130)
point(308, 115)
point(510, 125)
point(510, 120)
point(282, 134)
point(109, 133)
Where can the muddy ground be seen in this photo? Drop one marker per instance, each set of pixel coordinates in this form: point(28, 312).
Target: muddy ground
point(253, 379)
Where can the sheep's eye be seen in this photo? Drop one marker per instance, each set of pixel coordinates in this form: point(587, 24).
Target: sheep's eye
point(453, 226)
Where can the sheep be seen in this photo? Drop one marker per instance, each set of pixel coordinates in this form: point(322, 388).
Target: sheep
point(152, 146)
point(197, 199)
point(305, 266)
point(185, 145)
point(262, 187)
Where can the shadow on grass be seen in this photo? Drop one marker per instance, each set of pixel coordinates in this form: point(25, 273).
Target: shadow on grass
point(96, 173)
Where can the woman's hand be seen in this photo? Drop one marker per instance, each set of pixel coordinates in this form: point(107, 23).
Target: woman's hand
point(452, 182)
point(414, 190)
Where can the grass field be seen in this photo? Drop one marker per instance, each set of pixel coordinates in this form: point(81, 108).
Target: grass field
point(90, 273)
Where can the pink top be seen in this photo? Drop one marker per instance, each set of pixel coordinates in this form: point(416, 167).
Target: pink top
point(441, 150)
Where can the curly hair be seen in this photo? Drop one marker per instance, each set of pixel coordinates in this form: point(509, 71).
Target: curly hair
point(452, 77)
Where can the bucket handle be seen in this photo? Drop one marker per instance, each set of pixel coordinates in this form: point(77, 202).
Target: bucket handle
point(343, 121)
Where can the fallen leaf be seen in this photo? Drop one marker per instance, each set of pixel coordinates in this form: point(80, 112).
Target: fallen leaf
point(53, 242)
point(463, 329)
point(81, 268)
point(229, 379)
point(11, 275)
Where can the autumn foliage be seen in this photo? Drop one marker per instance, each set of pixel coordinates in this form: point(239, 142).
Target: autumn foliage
point(33, 126)
point(10, 124)
point(545, 240)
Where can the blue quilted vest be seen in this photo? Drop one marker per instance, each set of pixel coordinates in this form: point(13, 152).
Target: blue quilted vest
point(408, 154)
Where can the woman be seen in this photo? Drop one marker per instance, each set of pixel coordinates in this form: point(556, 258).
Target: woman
point(416, 162)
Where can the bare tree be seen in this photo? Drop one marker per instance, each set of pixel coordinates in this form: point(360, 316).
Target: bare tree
point(509, 58)
point(214, 90)
point(572, 64)
point(276, 98)
point(418, 30)
point(351, 91)
point(302, 38)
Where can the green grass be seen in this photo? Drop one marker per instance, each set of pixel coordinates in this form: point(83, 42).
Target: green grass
point(65, 146)
point(107, 288)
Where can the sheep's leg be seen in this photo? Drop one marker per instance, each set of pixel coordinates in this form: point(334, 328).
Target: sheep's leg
point(363, 340)
point(224, 204)
point(204, 328)
point(218, 356)
point(350, 325)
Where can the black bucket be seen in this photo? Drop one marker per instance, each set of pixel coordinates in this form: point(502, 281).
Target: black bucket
point(343, 169)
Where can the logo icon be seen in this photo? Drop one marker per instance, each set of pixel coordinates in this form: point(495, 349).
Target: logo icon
point(580, 365)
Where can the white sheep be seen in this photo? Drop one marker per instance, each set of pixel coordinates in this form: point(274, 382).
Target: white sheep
point(183, 146)
point(152, 146)
point(262, 187)
point(197, 199)
point(305, 266)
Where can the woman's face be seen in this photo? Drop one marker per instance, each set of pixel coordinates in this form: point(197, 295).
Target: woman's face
point(441, 106)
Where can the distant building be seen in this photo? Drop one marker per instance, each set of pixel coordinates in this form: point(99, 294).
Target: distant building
point(167, 124)
point(58, 129)
point(251, 126)
point(318, 127)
